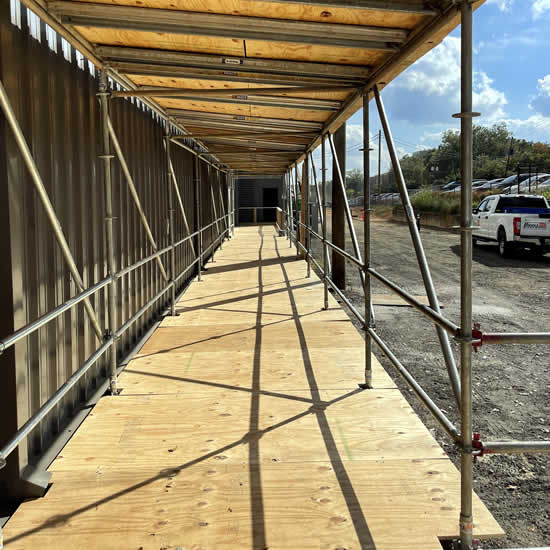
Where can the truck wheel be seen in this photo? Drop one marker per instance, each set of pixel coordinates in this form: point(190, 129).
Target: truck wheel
point(474, 241)
point(537, 251)
point(503, 245)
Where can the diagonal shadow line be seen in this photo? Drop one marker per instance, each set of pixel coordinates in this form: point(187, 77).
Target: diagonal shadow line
point(218, 336)
point(252, 312)
point(359, 521)
point(316, 408)
point(220, 385)
point(233, 291)
point(246, 297)
point(254, 466)
point(168, 473)
point(250, 264)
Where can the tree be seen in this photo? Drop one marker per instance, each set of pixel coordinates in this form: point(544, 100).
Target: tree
point(354, 181)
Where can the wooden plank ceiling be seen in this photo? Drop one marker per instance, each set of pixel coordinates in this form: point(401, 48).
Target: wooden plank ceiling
point(257, 82)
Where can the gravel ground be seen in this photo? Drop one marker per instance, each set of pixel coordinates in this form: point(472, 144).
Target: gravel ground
point(511, 383)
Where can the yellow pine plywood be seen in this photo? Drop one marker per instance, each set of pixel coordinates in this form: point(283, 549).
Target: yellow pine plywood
point(218, 507)
point(246, 110)
point(299, 12)
point(308, 52)
point(337, 368)
point(248, 444)
point(183, 83)
point(162, 41)
point(212, 424)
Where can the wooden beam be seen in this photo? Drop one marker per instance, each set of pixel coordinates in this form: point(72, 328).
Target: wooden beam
point(227, 26)
point(326, 71)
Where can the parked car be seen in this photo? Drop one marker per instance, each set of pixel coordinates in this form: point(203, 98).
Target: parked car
point(459, 186)
point(450, 186)
point(513, 221)
point(529, 184)
point(489, 185)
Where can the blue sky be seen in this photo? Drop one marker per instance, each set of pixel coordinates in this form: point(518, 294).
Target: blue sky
point(511, 82)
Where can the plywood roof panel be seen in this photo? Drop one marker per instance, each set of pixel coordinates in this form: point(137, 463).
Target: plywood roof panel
point(373, 43)
point(293, 12)
point(163, 41)
point(247, 110)
point(193, 83)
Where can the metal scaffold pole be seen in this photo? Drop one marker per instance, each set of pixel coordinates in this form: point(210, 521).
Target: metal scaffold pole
point(48, 207)
point(107, 157)
point(198, 215)
point(133, 191)
point(178, 194)
point(171, 230)
point(419, 248)
point(367, 243)
point(326, 272)
point(306, 238)
point(297, 225)
point(290, 220)
point(466, 145)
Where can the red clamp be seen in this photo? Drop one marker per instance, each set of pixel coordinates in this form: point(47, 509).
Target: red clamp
point(477, 444)
point(477, 337)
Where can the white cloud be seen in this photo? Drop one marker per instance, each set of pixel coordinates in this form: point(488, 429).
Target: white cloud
point(541, 102)
point(503, 5)
point(432, 88)
point(540, 7)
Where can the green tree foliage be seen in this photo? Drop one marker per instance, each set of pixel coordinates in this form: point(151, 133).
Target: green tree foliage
point(354, 182)
point(497, 154)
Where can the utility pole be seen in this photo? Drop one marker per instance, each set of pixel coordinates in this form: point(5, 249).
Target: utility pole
point(509, 155)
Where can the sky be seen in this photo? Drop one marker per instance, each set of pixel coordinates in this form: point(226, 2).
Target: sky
point(511, 84)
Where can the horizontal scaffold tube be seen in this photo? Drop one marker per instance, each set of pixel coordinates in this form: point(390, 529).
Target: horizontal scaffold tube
point(337, 249)
point(437, 413)
point(516, 447)
point(51, 315)
point(32, 422)
point(351, 307)
point(516, 338)
point(427, 311)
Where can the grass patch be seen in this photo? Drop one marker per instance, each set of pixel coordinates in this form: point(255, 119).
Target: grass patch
point(445, 204)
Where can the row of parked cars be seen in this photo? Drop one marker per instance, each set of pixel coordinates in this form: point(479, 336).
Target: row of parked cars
point(527, 182)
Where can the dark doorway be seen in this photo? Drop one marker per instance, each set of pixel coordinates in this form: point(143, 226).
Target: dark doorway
point(270, 199)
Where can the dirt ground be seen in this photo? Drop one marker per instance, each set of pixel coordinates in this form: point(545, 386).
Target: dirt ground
point(511, 383)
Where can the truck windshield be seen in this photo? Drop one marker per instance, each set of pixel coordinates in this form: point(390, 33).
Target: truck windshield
point(520, 202)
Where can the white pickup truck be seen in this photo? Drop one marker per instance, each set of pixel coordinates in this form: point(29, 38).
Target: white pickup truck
point(513, 221)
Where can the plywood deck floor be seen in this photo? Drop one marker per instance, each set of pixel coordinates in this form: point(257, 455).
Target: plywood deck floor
point(241, 426)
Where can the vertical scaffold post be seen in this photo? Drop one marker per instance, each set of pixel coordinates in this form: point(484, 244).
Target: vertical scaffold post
point(326, 273)
point(290, 221)
point(466, 138)
point(107, 157)
point(233, 203)
point(171, 221)
point(198, 215)
point(297, 225)
point(367, 242)
point(419, 248)
point(305, 214)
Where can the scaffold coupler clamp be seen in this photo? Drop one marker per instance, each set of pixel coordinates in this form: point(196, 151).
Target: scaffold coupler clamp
point(477, 446)
point(477, 337)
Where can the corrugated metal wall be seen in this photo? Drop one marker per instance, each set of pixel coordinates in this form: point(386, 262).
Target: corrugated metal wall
point(54, 96)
